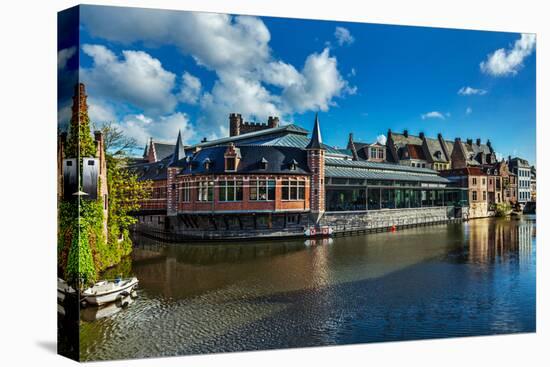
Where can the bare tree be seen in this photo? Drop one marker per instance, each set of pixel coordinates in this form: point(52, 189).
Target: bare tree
point(117, 144)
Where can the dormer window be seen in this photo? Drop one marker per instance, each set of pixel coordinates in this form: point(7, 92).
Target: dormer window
point(263, 164)
point(230, 163)
point(207, 164)
point(232, 157)
point(293, 165)
point(438, 154)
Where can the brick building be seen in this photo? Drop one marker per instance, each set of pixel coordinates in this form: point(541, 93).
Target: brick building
point(278, 179)
point(476, 181)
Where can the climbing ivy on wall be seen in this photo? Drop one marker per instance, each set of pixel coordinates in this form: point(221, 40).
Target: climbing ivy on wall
point(83, 249)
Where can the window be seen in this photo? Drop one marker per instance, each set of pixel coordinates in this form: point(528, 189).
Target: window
point(483, 181)
point(205, 191)
point(474, 195)
point(263, 164)
point(293, 189)
point(231, 190)
point(69, 163)
point(230, 164)
point(484, 195)
point(262, 190)
point(474, 181)
point(380, 153)
point(186, 192)
point(91, 163)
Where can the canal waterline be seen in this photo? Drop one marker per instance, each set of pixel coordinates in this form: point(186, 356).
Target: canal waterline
point(460, 279)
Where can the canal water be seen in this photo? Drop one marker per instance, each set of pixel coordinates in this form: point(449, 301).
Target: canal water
point(474, 278)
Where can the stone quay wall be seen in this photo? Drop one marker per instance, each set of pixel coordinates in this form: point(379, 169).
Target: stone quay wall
point(386, 218)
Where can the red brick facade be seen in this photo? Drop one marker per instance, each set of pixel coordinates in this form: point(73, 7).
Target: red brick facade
point(316, 163)
point(189, 200)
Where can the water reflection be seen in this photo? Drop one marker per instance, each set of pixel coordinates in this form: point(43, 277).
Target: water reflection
point(476, 278)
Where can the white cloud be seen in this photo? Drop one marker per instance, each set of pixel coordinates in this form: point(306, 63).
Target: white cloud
point(100, 112)
point(432, 115)
point(343, 36)
point(468, 91)
point(138, 79)
point(320, 84)
point(250, 79)
point(280, 74)
point(381, 139)
point(191, 88)
point(163, 128)
point(63, 56)
point(468, 110)
point(504, 62)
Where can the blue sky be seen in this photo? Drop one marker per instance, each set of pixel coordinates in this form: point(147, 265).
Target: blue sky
point(156, 72)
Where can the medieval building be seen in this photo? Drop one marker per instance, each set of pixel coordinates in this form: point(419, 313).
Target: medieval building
point(279, 179)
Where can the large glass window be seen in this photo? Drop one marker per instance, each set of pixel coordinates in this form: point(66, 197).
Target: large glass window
point(387, 200)
point(293, 189)
point(205, 191)
point(185, 195)
point(344, 199)
point(373, 198)
point(262, 190)
point(231, 190)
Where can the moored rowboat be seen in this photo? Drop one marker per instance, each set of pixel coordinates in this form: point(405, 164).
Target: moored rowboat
point(108, 291)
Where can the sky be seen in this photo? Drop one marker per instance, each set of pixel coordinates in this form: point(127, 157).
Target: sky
point(154, 72)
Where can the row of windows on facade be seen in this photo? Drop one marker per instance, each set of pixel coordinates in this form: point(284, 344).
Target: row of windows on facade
point(232, 190)
point(524, 195)
point(524, 173)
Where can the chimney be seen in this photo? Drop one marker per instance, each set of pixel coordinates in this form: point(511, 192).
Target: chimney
point(204, 140)
point(421, 135)
point(458, 140)
point(406, 133)
point(79, 100)
point(478, 142)
point(389, 134)
point(235, 122)
point(98, 135)
point(469, 141)
point(439, 136)
point(272, 121)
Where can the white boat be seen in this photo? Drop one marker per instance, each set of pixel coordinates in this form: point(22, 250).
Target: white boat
point(323, 231)
point(63, 289)
point(108, 291)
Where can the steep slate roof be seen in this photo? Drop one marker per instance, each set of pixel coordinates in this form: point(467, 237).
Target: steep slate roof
point(279, 160)
point(163, 150)
point(400, 140)
point(470, 154)
point(316, 141)
point(436, 150)
point(151, 171)
point(416, 152)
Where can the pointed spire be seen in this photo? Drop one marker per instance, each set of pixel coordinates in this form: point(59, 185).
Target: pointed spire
point(179, 150)
point(316, 141)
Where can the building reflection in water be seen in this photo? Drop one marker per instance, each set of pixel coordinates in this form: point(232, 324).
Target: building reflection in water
point(501, 240)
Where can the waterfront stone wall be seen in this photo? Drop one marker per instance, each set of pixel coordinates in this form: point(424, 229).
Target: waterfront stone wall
point(351, 221)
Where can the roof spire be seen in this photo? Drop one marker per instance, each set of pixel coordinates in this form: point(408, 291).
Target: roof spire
point(316, 141)
point(179, 150)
